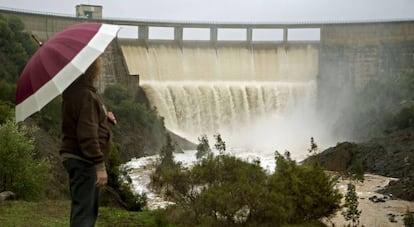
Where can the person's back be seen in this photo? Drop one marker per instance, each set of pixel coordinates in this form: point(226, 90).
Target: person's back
point(84, 123)
point(85, 145)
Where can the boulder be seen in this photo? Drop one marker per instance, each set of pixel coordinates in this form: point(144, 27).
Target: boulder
point(7, 195)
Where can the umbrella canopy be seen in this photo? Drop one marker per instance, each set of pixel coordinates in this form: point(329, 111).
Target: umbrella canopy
point(59, 62)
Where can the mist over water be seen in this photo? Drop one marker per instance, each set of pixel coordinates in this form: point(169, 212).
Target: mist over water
point(259, 100)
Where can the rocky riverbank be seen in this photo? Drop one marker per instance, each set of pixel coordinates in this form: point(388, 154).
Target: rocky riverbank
point(391, 156)
point(377, 209)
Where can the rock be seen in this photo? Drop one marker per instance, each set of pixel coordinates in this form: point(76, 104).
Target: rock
point(7, 195)
point(391, 155)
point(376, 199)
point(391, 218)
point(402, 188)
point(338, 158)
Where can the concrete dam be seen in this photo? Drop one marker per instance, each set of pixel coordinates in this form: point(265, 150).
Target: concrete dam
point(260, 96)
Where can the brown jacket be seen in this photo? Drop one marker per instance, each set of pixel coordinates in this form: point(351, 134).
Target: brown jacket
point(85, 129)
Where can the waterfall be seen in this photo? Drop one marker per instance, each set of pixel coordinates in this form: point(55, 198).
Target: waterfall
point(258, 99)
point(195, 108)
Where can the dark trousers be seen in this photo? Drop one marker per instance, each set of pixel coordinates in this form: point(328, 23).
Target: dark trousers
point(84, 193)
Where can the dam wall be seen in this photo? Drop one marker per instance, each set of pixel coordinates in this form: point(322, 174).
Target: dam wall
point(351, 55)
point(356, 51)
point(362, 52)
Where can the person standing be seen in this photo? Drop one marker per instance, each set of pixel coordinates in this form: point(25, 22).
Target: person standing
point(86, 144)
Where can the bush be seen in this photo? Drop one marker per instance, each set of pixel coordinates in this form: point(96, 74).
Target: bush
point(116, 93)
point(203, 148)
point(166, 169)
point(351, 213)
point(224, 190)
point(409, 219)
point(20, 172)
point(6, 112)
point(404, 118)
point(121, 183)
point(307, 189)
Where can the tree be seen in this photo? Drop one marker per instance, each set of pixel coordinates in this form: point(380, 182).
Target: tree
point(356, 172)
point(222, 189)
point(120, 185)
point(220, 145)
point(203, 148)
point(20, 171)
point(351, 204)
point(309, 190)
point(15, 48)
point(408, 219)
point(314, 147)
point(116, 93)
point(166, 168)
point(167, 153)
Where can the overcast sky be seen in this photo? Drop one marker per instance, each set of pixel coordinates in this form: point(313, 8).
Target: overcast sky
point(232, 10)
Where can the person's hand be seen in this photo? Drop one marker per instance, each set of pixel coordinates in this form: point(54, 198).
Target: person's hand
point(111, 118)
point(101, 178)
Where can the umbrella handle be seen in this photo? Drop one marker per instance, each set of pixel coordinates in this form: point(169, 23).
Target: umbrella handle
point(37, 40)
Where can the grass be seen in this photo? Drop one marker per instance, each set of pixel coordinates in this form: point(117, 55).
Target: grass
point(55, 213)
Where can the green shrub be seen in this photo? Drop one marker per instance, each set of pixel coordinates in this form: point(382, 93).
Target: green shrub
point(6, 112)
point(20, 172)
point(308, 189)
point(220, 145)
point(409, 219)
point(121, 183)
point(203, 148)
point(224, 190)
point(351, 212)
point(116, 93)
point(404, 118)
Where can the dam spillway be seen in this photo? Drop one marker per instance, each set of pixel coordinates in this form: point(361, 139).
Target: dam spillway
point(169, 62)
point(250, 95)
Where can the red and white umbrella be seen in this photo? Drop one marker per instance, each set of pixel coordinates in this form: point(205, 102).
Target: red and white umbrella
point(59, 62)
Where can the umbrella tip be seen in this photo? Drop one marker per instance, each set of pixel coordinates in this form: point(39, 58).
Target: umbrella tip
point(37, 40)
